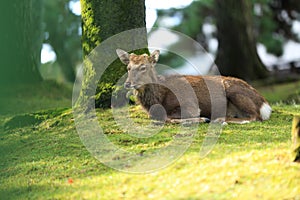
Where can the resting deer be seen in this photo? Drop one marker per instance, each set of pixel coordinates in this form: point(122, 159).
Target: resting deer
point(169, 98)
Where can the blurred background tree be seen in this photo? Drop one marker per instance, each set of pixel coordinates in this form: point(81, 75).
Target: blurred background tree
point(237, 55)
point(63, 33)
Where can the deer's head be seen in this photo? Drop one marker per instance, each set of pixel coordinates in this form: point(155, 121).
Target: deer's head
point(141, 68)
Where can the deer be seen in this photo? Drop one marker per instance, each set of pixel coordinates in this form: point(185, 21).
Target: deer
point(191, 98)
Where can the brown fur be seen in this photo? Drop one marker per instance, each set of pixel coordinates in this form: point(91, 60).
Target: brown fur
point(184, 97)
point(139, 59)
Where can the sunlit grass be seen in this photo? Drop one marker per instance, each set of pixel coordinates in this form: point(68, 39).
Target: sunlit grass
point(280, 92)
point(48, 161)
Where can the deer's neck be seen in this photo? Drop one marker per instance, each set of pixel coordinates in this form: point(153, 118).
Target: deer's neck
point(150, 94)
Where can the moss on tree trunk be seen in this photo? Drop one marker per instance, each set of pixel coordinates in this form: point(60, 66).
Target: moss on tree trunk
point(21, 39)
point(237, 55)
point(102, 19)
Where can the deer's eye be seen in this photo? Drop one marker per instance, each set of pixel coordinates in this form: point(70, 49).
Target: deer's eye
point(143, 68)
point(128, 68)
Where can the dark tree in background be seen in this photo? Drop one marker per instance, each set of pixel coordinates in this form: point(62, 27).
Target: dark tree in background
point(21, 39)
point(102, 19)
point(237, 55)
point(62, 33)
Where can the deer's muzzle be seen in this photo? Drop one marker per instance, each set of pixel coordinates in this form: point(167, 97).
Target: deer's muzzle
point(127, 85)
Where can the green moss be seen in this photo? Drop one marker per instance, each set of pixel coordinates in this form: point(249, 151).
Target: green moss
point(101, 20)
point(33, 119)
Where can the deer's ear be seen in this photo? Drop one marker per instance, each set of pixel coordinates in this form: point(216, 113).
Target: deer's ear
point(155, 55)
point(123, 55)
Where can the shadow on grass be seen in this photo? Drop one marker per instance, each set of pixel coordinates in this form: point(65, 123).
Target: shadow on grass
point(22, 192)
point(17, 99)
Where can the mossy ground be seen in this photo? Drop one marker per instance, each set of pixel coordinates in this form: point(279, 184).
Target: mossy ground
point(47, 160)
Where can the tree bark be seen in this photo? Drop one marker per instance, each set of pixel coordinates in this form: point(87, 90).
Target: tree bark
point(21, 41)
point(237, 55)
point(102, 19)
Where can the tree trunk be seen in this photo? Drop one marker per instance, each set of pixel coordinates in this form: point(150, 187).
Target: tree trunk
point(21, 41)
point(237, 55)
point(296, 138)
point(67, 65)
point(62, 28)
point(102, 19)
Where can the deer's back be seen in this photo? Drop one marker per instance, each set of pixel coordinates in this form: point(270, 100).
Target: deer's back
point(184, 89)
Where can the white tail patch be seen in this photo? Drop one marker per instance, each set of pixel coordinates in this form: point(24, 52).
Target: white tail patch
point(265, 111)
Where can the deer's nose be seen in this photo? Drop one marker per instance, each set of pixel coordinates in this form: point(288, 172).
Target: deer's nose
point(127, 85)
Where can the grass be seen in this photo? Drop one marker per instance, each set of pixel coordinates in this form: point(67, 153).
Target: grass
point(45, 158)
point(30, 98)
point(281, 92)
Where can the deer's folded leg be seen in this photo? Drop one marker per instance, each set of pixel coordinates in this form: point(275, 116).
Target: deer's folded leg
point(189, 120)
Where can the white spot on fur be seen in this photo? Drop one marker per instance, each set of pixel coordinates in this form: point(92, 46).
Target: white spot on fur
point(265, 111)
